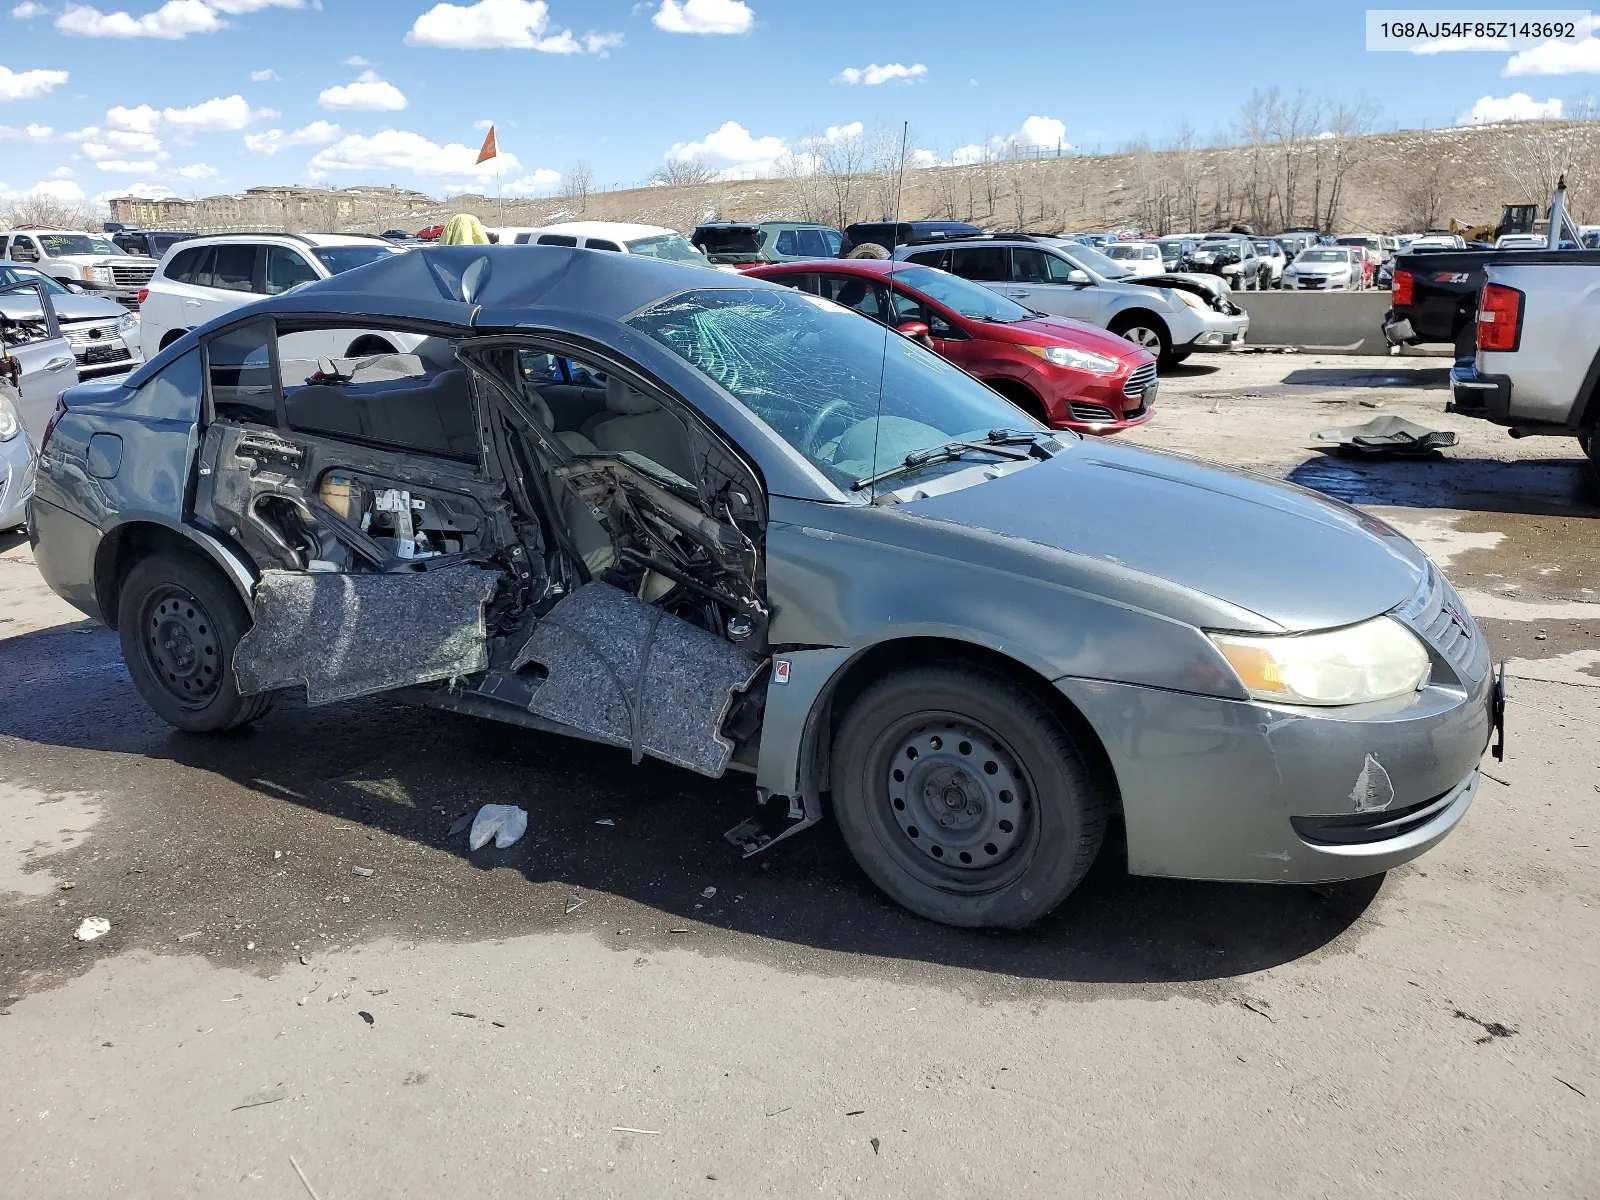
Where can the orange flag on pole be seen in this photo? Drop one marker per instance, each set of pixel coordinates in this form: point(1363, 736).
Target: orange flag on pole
point(490, 148)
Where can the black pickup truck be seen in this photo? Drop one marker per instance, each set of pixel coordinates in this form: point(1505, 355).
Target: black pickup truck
point(1434, 296)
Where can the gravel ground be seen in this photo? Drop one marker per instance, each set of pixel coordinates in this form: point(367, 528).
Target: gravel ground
point(574, 1016)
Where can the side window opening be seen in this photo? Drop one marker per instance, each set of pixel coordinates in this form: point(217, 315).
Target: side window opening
point(243, 384)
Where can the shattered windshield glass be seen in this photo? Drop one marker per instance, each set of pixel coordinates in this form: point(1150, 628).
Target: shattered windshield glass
point(811, 370)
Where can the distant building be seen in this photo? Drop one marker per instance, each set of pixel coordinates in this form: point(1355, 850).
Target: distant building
point(291, 207)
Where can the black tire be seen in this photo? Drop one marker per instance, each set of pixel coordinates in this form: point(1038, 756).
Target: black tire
point(1011, 791)
point(364, 346)
point(1146, 331)
point(1021, 397)
point(870, 250)
point(1591, 447)
point(180, 620)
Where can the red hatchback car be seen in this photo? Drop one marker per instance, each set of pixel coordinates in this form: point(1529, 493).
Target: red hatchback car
point(1068, 374)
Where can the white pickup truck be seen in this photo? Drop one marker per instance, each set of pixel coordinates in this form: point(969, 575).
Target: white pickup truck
point(1538, 364)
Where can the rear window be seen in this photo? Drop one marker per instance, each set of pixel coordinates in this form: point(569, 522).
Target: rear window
point(556, 239)
point(803, 243)
point(739, 240)
point(339, 259)
point(983, 263)
point(232, 269)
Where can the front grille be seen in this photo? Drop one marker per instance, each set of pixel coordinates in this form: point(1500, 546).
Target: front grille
point(1442, 620)
point(1360, 829)
point(132, 274)
point(1092, 414)
point(88, 333)
point(1139, 380)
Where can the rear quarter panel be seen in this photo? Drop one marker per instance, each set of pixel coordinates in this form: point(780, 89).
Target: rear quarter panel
point(1559, 340)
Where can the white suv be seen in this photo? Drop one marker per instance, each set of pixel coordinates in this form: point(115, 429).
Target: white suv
point(206, 277)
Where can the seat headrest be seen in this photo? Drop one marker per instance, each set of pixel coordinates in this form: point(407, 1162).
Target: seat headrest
point(626, 400)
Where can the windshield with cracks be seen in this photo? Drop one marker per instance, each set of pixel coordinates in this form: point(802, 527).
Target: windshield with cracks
point(812, 371)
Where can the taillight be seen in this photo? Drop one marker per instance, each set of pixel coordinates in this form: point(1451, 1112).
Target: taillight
point(143, 292)
point(1499, 317)
point(1400, 287)
point(55, 418)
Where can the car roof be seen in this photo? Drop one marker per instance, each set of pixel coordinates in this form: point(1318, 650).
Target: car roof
point(619, 230)
point(844, 266)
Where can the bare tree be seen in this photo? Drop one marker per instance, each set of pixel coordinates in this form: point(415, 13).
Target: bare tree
point(47, 211)
point(683, 172)
point(577, 182)
point(1425, 179)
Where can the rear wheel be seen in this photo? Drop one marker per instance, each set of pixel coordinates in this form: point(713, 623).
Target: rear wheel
point(869, 250)
point(1146, 332)
point(964, 798)
point(180, 621)
point(364, 346)
point(170, 336)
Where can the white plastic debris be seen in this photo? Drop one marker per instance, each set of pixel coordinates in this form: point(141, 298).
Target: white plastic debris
point(364, 872)
point(92, 927)
point(505, 823)
point(605, 821)
point(708, 893)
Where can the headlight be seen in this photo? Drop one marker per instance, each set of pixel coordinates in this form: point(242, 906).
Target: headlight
point(98, 274)
point(10, 424)
point(1191, 299)
point(1375, 660)
point(127, 323)
point(1082, 360)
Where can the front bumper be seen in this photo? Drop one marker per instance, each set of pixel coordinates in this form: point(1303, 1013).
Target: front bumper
point(1318, 283)
point(1222, 332)
point(1475, 395)
point(126, 295)
point(17, 467)
point(1244, 791)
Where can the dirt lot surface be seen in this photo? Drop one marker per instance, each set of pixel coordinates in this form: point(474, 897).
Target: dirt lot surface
point(578, 1015)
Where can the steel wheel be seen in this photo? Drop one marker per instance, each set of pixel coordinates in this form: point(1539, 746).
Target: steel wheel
point(179, 645)
point(957, 794)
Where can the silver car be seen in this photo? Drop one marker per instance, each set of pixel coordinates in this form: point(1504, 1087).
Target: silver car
point(1324, 269)
point(1067, 279)
point(104, 336)
point(36, 364)
point(739, 528)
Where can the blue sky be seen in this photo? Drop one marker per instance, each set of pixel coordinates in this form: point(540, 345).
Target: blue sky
point(194, 97)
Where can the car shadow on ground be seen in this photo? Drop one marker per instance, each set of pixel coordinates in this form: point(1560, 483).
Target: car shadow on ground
point(10, 539)
point(409, 773)
point(1432, 378)
point(1192, 368)
point(1441, 480)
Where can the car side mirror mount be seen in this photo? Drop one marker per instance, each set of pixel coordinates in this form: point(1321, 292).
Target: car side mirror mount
point(917, 331)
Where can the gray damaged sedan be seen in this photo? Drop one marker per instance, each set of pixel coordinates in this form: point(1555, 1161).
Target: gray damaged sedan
point(734, 527)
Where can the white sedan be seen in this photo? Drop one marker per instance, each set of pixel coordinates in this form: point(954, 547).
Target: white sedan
point(1139, 258)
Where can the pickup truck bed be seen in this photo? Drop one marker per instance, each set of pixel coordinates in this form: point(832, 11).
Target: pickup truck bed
point(1440, 303)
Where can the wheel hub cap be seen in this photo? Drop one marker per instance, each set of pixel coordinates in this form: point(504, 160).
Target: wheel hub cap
point(958, 796)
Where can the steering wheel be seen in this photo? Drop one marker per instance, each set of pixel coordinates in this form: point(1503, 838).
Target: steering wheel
point(815, 426)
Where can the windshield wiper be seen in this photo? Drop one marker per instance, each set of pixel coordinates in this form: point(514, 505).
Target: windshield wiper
point(994, 442)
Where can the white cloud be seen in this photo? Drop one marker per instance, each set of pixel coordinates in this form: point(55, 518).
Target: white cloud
point(28, 10)
point(501, 25)
point(872, 74)
point(195, 171)
point(1519, 106)
point(28, 133)
point(923, 158)
point(138, 191)
point(265, 76)
point(318, 133)
point(542, 182)
point(173, 21)
point(224, 114)
point(142, 119)
point(355, 60)
point(28, 85)
point(61, 173)
point(118, 144)
point(1557, 58)
point(1039, 133)
point(63, 190)
point(965, 156)
point(399, 149)
point(368, 93)
point(123, 167)
point(482, 126)
point(703, 16)
point(739, 154)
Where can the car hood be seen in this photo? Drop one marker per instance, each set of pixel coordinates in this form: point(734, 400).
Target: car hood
point(72, 308)
point(1208, 287)
point(1292, 557)
point(1050, 331)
